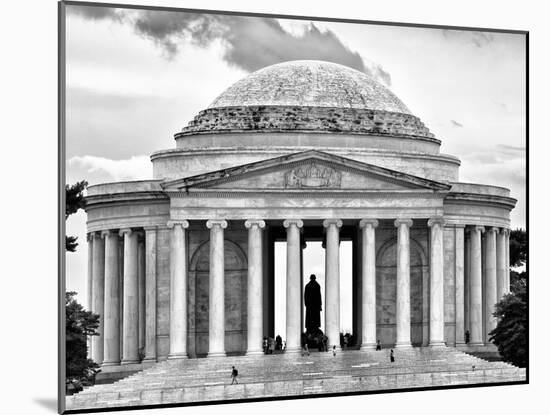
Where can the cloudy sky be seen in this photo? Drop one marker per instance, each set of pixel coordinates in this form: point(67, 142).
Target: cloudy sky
point(134, 78)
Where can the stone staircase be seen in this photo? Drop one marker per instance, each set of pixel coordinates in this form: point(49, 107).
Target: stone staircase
point(192, 380)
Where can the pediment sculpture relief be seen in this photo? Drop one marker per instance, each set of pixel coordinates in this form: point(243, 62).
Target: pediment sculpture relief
point(312, 176)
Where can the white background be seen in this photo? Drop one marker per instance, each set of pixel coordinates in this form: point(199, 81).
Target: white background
point(28, 97)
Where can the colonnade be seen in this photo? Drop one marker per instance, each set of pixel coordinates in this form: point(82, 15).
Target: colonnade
point(123, 293)
point(488, 258)
point(138, 289)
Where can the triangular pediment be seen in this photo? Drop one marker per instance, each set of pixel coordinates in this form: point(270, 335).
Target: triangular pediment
point(307, 171)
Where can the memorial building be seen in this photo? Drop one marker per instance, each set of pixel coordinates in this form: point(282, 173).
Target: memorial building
point(182, 265)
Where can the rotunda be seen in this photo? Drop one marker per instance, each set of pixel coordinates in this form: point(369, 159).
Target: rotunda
point(182, 265)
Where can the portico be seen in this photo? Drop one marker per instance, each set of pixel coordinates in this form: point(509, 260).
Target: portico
point(240, 213)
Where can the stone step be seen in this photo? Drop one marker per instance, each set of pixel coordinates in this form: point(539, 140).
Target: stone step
point(191, 380)
point(278, 388)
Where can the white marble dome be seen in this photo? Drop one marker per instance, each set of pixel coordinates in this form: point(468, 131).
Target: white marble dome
point(308, 83)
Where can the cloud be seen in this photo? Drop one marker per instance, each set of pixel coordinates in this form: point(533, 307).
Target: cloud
point(499, 154)
point(478, 39)
point(249, 43)
point(95, 13)
point(511, 149)
point(134, 168)
point(456, 124)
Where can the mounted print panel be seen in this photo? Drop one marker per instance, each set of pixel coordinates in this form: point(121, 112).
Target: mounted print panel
point(267, 207)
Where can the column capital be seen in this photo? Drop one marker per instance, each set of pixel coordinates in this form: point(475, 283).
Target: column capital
point(125, 231)
point(150, 228)
point(107, 232)
point(298, 222)
point(328, 222)
point(89, 236)
point(403, 221)
point(367, 221)
point(254, 222)
point(477, 228)
point(216, 222)
point(436, 221)
point(505, 231)
point(459, 225)
point(171, 223)
point(492, 229)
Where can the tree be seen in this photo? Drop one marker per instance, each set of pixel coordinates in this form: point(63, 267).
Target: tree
point(518, 258)
point(79, 325)
point(518, 247)
point(74, 200)
point(510, 334)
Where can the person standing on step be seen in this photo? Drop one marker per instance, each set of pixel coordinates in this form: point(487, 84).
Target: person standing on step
point(378, 345)
point(334, 350)
point(467, 337)
point(234, 374)
point(392, 358)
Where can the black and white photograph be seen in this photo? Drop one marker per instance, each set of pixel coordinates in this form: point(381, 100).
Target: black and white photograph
point(275, 207)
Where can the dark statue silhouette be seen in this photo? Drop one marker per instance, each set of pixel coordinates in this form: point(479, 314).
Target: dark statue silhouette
point(312, 300)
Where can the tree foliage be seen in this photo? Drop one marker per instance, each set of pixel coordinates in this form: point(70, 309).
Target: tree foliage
point(518, 247)
point(79, 325)
point(510, 334)
point(74, 200)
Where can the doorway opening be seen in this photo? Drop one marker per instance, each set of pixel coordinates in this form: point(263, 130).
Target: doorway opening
point(313, 262)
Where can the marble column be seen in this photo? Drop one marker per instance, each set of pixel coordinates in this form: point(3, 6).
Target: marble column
point(332, 282)
point(111, 344)
point(467, 269)
point(130, 304)
point(150, 294)
point(141, 292)
point(98, 292)
point(476, 311)
point(255, 287)
point(216, 300)
point(459, 285)
point(89, 305)
point(403, 282)
point(437, 300)
point(501, 263)
point(490, 280)
point(178, 289)
point(293, 294)
point(507, 248)
point(368, 276)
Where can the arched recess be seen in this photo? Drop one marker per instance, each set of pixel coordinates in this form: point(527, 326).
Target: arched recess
point(386, 290)
point(235, 287)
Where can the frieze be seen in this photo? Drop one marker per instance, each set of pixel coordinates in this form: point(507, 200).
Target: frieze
point(313, 175)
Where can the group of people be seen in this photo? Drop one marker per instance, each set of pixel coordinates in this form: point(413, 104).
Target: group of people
point(270, 344)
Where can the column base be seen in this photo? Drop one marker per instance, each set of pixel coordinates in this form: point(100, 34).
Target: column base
point(368, 346)
point(403, 345)
point(111, 363)
point(254, 352)
point(149, 360)
point(216, 354)
point(129, 361)
point(475, 344)
point(437, 343)
point(293, 350)
point(175, 356)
